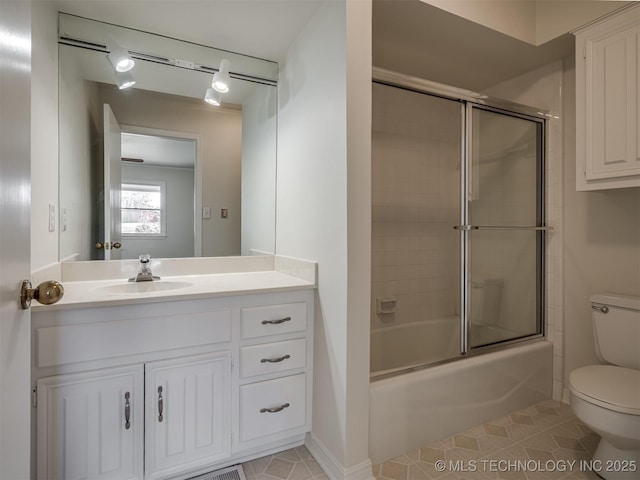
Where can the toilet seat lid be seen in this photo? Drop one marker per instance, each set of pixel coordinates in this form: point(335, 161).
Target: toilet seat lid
point(611, 387)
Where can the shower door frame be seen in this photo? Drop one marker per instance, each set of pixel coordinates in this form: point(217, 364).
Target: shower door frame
point(465, 227)
point(468, 101)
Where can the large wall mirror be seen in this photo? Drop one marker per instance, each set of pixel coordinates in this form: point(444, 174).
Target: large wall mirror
point(153, 167)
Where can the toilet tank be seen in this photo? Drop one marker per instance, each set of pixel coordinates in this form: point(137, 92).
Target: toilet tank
point(616, 328)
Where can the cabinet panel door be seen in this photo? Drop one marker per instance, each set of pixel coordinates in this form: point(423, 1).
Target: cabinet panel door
point(90, 425)
point(187, 413)
point(612, 104)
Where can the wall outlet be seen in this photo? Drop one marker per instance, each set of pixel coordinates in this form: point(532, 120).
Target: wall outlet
point(224, 213)
point(52, 218)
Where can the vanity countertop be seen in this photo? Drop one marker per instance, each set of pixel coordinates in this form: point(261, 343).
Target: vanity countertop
point(83, 294)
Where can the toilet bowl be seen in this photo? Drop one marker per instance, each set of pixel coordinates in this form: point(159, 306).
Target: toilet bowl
point(607, 397)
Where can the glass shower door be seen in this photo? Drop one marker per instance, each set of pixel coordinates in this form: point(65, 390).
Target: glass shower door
point(503, 227)
point(415, 195)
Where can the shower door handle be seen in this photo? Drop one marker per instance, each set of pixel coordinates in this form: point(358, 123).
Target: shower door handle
point(492, 227)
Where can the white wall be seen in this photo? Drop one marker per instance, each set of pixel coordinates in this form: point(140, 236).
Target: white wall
point(553, 18)
point(44, 125)
point(323, 214)
point(532, 21)
point(179, 239)
point(258, 165)
point(517, 19)
point(80, 120)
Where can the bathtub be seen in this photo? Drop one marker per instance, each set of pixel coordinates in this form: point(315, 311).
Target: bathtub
point(411, 410)
point(397, 347)
point(406, 345)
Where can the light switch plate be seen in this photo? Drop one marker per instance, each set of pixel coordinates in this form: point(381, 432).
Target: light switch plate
point(206, 212)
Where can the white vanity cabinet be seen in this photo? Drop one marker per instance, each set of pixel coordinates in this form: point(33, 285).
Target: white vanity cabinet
point(608, 102)
point(275, 363)
point(170, 389)
point(187, 413)
point(90, 425)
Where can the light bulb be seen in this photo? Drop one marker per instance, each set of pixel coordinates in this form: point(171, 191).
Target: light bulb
point(221, 80)
point(212, 97)
point(124, 80)
point(120, 59)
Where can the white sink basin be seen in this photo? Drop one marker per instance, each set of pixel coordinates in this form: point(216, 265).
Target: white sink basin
point(143, 287)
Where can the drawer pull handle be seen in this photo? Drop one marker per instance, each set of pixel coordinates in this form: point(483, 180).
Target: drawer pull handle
point(275, 360)
point(127, 411)
point(274, 409)
point(276, 322)
point(160, 404)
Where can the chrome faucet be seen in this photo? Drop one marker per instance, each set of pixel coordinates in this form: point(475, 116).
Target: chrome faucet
point(144, 275)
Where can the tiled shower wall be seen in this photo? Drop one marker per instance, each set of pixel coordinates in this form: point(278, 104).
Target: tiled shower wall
point(415, 203)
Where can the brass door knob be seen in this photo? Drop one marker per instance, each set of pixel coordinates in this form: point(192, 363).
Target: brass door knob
point(99, 245)
point(116, 245)
point(45, 293)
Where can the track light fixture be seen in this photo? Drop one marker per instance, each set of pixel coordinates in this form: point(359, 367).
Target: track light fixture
point(221, 80)
point(124, 80)
point(212, 97)
point(120, 58)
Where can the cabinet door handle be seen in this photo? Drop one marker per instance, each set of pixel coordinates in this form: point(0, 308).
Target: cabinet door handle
point(127, 411)
point(275, 360)
point(276, 322)
point(160, 404)
point(274, 409)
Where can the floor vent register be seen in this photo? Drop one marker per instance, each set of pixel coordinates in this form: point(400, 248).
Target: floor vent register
point(230, 473)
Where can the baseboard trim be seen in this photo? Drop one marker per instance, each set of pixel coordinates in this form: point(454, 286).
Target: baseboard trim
point(331, 466)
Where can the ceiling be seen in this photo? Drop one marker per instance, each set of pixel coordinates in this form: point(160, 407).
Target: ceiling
point(159, 151)
point(260, 28)
point(418, 39)
point(409, 36)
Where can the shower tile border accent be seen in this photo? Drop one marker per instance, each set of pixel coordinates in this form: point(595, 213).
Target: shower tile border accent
point(543, 441)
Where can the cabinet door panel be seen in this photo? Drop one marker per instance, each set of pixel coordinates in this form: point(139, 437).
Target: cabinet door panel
point(612, 102)
point(187, 413)
point(82, 425)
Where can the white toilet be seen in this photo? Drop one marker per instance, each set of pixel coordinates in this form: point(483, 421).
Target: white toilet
point(607, 397)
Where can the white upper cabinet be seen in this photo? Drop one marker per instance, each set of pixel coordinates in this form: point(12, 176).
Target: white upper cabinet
point(608, 102)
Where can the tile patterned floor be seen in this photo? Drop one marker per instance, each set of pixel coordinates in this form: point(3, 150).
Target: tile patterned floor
point(542, 442)
point(294, 464)
point(545, 441)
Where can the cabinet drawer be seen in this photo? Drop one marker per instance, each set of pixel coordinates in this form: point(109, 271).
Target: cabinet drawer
point(272, 406)
point(273, 319)
point(272, 357)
